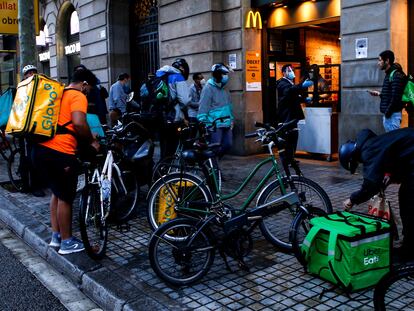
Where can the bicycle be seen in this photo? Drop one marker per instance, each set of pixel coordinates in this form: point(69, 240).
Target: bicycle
point(10, 151)
point(182, 251)
point(194, 196)
point(177, 163)
point(395, 291)
point(110, 194)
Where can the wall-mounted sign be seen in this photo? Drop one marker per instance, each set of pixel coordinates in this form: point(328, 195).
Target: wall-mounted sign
point(8, 17)
point(254, 20)
point(233, 61)
point(361, 48)
point(44, 57)
point(253, 71)
point(73, 48)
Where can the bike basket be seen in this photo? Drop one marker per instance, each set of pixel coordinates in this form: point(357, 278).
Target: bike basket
point(348, 250)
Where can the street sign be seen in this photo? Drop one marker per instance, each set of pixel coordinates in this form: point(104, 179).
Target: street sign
point(8, 17)
point(253, 71)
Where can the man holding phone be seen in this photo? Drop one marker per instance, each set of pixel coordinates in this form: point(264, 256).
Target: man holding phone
point(391, 104)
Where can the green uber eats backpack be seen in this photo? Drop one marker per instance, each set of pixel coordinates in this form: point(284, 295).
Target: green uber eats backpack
point(349, 250)
point(408, 93)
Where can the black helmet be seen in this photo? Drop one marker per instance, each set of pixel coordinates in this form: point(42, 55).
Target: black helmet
point(181, 64)
point(348, 157)
point(220, 67)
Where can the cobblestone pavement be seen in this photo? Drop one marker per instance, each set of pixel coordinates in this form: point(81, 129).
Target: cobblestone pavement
point(276, 281)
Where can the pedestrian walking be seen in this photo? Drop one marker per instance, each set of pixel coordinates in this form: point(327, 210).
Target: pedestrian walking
point(215, 103)
point(386, 158)
point(117, 98)
point(289, 98)
point(391, 104)
point(56, 159)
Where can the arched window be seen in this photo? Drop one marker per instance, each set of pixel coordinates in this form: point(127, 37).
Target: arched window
point(73, 29)
point(145, 52)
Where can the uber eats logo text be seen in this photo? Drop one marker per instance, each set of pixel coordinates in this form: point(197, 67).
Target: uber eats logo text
point(47, 123)
point(372, 255)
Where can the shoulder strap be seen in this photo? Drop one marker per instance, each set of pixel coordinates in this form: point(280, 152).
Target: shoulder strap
point(62, 129)
point(392, 75)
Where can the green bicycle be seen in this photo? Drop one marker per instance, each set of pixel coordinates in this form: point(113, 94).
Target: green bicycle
point(186, 194)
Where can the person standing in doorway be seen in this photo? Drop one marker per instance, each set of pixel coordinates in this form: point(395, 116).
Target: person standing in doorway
point(289, 106)
point(391, 104)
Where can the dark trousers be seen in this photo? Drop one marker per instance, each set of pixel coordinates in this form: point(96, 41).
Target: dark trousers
point(406, 199)
point(169, 139)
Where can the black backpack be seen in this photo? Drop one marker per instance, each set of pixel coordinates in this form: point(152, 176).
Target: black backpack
point(155, 95)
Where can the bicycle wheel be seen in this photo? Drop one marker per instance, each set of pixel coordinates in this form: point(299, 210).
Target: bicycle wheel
point(5, 146)
point(395, 291)
point(14, 168)
point(300, 228)
point(94, 230)
point(123, 204)
point(174, 189)
point(275, 228)
point(165, 166)
point(174, 259)
point(173, 164)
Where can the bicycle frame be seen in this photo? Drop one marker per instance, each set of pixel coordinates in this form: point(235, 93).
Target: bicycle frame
point(218, 197)
point(106, 176)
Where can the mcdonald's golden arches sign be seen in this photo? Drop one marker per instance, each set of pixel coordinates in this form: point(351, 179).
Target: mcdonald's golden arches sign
point(254, 20)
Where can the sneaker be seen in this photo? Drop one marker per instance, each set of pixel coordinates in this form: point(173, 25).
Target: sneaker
point(56, 240)
point(72, 245)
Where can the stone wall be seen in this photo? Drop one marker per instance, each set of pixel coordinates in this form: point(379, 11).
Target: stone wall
point(93, 36)
point(206, 32)
point(385, 25)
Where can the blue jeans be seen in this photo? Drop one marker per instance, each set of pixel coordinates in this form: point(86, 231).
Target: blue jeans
point(224, 136)
point(393, 122)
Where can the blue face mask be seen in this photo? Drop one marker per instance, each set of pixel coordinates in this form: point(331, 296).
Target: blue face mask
point(291, 75)
point(224, 80)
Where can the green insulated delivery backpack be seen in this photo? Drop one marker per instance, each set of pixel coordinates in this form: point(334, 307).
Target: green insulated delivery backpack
point(348, 250)
point(408, 92)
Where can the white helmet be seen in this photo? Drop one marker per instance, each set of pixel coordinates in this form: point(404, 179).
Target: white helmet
point(28, 68)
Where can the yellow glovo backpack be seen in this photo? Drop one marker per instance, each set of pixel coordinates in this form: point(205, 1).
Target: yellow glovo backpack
point(36, 107)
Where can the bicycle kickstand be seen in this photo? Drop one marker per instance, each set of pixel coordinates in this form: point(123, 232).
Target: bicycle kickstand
point(224, 256)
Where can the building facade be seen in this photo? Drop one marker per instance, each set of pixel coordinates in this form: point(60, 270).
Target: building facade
point(343, 38)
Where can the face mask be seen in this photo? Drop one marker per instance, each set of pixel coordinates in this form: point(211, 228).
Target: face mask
point(291, 75)
point(203, 82)
point(224, 79)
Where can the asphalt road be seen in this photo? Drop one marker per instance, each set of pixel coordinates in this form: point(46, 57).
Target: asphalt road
point(19, 289)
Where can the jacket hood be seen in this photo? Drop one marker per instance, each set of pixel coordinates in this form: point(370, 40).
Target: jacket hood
point(167, 69)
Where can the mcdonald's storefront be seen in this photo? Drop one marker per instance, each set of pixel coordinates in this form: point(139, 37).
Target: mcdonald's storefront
point(340, 41)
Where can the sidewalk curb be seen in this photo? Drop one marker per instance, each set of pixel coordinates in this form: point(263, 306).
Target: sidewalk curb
point(104, 287)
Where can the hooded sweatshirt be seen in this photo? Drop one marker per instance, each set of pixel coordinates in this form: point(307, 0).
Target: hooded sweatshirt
point(215, 103)
point(392, 153)
point(178, 88)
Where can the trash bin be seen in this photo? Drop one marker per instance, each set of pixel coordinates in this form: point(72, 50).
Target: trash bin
point(318, 131)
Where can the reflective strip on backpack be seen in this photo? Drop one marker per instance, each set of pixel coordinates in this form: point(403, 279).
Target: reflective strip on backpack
point(371, 239)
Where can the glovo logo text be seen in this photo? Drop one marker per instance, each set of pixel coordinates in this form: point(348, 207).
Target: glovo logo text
point(47, 122)
point(254, 20)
